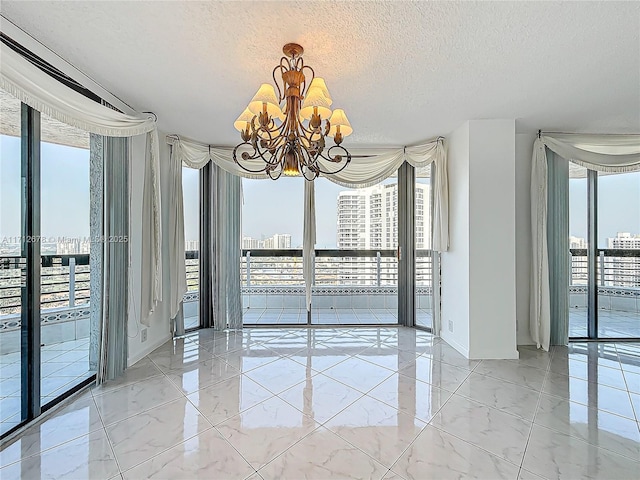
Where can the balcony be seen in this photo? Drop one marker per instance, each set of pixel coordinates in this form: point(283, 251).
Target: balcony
point(350, 287)
point(65, 326)
point(618, 286)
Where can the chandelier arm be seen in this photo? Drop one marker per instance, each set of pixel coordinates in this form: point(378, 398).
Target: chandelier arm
point(313, 75)
point(328, 158)
point(282, 68)
point(259, 153)
point(235, 159)
point(308, 165)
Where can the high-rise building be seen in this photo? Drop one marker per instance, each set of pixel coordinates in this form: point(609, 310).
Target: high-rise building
point(249, 243)
point(70, 246)
point(277, 241)
point(623, 271)
point(192, 245)
point(577, 242)
point(368, 217)
point(624, 240)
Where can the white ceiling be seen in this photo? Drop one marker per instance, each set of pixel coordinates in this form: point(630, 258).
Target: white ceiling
point(404, 72)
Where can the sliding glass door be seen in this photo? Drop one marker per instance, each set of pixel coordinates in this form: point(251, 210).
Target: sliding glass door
point(604, 290)
point(191, 205)
point(11, 263)
point(427, 280)
point(45, 230)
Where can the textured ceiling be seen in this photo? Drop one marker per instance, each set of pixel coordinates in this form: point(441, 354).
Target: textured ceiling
point(404, 72)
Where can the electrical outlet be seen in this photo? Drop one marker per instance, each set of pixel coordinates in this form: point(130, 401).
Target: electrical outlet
point(143, 335)
point(451, 325)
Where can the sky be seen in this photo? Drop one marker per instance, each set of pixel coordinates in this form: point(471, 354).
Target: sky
point(269, 207)
point(64, 189)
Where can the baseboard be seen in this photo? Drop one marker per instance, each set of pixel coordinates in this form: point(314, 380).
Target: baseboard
point(148, 349)
point(502, 354)
point(452, 343)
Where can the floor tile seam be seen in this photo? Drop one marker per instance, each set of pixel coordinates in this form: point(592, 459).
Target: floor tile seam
point(235, 414)
point(587, 441)
point(278, 393)
point(74, 381)
point(432, 384)
point(426, 422)
point(371, 456)
point(513, 382)
point(361, 391)
point(111, 447)
point(510, 383)
point(584, 442)
point(179, 371)
point(473, 400)
point(122, 472)
point(590, 381)
point(633, 406)
point(529, 420)
point(588, 406)
point(520, 362)
point(286, 450)
point(475, 446)
point(535, 414)
point(586, 379)
point(164, 403)
point(263, 365)
point(336, 414)
point(543, 394)
point(44, 450)
point(226, 440)
point(375, 364)
point(324, 369)
point(104, 392)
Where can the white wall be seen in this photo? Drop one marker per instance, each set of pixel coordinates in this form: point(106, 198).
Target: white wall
point(159, 330)
point(454, 264)
point(492, 253)
point(524, 149)
point(479, 271)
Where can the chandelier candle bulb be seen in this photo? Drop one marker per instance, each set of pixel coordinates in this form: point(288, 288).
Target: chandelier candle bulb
point(282, 133)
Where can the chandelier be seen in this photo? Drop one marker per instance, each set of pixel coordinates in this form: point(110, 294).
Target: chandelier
point(283, 133)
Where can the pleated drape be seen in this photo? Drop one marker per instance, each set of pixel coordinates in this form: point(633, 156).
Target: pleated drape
point(558, 246)
point(226, 249)
point(113, 354)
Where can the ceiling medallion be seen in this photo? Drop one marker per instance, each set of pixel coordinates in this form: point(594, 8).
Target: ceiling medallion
point(285, 130)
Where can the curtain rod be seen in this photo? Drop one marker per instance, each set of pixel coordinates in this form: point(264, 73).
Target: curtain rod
point(540, 132)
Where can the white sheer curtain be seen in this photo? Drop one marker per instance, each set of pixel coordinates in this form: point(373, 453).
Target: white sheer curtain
point(603, 153)
point(42, 92)
point(368, 167)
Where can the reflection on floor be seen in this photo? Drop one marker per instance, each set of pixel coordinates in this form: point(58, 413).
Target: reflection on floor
point(320, 403)
point(64, 365)
point(333, 316)
point(611, 323)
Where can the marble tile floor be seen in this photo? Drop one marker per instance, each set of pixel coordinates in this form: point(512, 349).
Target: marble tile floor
point(611, 323)
point(64, 365)
point(348, 402)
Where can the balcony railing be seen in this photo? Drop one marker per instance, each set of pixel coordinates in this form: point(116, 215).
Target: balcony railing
point(283, 267)
point(65, 282)
point(614, 268)
point(65, 278)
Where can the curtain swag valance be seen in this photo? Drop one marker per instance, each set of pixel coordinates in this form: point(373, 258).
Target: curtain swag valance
point(369, 166)
point(35, 88)
point(603, 153)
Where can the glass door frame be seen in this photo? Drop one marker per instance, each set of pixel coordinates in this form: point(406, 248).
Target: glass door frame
point(593, 253)
point(30, 274)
